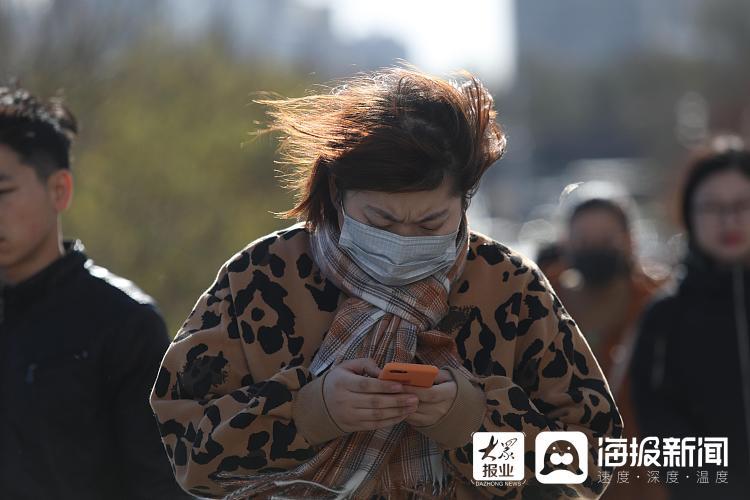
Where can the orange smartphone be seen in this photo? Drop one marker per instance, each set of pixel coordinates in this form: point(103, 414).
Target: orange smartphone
point(409, 374)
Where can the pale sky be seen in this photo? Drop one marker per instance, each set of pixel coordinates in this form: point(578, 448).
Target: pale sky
point(440, 35)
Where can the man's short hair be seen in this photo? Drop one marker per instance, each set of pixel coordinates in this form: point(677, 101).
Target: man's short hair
point(40, 132)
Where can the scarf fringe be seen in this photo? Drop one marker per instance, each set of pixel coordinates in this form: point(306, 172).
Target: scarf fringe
point(421, 490)
point(290, 489)
point(295, 489)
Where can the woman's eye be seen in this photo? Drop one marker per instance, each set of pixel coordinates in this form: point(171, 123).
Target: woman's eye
point(378, 225)
point(433, 226)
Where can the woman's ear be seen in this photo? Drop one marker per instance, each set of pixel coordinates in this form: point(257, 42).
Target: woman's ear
point(336, 201)
point(335, 193)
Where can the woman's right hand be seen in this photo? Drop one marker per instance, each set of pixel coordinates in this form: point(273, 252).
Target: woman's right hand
point(358, 401)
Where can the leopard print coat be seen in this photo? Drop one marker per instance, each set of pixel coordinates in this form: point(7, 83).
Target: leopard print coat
point(225, 391)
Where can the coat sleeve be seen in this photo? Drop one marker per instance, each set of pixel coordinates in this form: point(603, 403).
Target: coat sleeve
point(657, 388)
point(556, 385)
point(213, 417)
point(135, 361)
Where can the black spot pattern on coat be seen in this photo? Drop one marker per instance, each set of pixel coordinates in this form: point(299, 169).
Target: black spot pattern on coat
point(213, 450)
point(238, 264)
point(219, 285)
point(526, 372)
point(304, 265)
point(201, 373)
point(273, 295)
point(289, 233)
point(248, 335)
point(162, 382)
point(242, 420)
point(255, 459)
point(210, 319)
point(454, 318)
point(491, 252)
point(558, 367)
point(283, 436)
point(327, 299)
point(257, 314)
point(511, 307)
point(277, 265)
point(275, 393)
point(260, 254)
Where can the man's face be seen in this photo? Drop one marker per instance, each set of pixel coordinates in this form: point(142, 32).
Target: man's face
point(29, 207)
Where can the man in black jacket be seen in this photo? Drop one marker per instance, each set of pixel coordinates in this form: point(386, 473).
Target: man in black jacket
point(79, 346)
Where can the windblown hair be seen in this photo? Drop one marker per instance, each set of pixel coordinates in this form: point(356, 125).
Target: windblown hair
point(392, 130)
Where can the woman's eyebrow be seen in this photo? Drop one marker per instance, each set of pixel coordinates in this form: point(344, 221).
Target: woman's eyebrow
point(382, 213)
point(391, 218)
point(434, 216)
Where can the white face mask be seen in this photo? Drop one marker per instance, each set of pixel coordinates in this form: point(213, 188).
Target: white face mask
point(392, 259)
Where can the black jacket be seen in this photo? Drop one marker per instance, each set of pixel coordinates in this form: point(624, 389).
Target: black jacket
point(688, 374)
point(79, 352)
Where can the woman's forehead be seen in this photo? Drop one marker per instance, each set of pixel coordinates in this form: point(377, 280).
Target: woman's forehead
point(418, 202)
point(723, 185)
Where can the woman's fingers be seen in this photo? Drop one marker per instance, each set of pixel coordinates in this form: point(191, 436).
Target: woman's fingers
point(376, 411)
point(379, 424)
point(428, 413)
point(362, 366)
point(359, 401)
point(358, 383)
point(380, 414)
point(419, 419)
point(375, 401)
point(435, 394)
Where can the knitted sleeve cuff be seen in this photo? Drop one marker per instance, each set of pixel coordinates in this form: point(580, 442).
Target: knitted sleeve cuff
point(464, 417)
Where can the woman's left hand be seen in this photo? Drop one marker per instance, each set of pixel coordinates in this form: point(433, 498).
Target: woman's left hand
point(434, 402)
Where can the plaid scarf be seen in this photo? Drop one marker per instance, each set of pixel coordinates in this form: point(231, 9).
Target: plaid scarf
point(385, 323)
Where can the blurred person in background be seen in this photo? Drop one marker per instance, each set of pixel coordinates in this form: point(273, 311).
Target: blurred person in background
point(691, 368)
point(79, 346)
point(270, 386)
point(599, 279)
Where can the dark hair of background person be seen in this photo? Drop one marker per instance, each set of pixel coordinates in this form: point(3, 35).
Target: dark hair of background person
point(40, 132)
point(724, 152)
point(602, 204)
point(392, 130)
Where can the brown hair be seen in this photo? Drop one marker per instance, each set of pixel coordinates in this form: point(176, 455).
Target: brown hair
point(392, 130)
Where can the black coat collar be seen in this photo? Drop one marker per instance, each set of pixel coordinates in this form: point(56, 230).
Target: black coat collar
point(16, 298)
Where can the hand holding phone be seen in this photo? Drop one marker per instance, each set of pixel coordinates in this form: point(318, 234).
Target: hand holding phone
point(409, 374)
